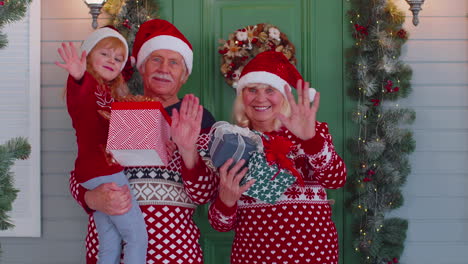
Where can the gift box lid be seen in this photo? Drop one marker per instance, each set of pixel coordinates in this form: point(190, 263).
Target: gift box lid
point(141, 105)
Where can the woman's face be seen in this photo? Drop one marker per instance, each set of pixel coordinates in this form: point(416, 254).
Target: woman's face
point(262, 103)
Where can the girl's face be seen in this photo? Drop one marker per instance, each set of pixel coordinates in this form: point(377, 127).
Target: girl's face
point(107, 62)
point(261, 106)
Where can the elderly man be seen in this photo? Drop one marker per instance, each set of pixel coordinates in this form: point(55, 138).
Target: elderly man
point(167, 195)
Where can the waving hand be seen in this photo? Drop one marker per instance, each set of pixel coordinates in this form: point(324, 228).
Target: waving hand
point(303, 115)
point(185, 128)
point(75, 65)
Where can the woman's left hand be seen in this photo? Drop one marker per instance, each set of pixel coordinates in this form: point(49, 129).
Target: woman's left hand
point(303, 115)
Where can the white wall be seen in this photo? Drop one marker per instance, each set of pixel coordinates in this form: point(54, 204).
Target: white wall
point(436, 194)
point(63, 221)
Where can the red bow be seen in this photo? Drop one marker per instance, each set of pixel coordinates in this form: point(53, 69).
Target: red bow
point(276, 150)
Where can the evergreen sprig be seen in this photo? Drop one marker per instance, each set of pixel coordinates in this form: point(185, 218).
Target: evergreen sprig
point(11, 11)
point(13, 149)
point(378, 80)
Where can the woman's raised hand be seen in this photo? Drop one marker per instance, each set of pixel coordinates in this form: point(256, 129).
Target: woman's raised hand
point(303, 115)
point(75, 65)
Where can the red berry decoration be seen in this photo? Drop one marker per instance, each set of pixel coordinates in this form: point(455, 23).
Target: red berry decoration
point(401, 33)
point(2, 3)
point(395, 260)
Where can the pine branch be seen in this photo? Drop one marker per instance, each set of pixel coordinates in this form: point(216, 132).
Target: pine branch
point(11, 11)
point(16, 148)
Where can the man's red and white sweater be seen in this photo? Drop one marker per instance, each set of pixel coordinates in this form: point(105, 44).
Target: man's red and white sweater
point(168, 197)
point(298, 228)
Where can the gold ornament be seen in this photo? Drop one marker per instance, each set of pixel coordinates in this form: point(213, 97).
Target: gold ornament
point(112, 7)
point(397, 16)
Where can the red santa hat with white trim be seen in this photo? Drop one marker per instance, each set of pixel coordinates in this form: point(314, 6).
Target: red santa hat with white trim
point(100, 34)
point(272, 68)
point(160, 34)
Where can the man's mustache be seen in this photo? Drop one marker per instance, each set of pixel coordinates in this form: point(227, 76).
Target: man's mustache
point(164, 76)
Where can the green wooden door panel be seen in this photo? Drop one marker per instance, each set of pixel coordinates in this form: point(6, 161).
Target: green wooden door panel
point(316, 29)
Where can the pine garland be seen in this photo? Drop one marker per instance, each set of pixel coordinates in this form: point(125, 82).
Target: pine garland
point(11, 11)
point(378, 79)
point(128, 15)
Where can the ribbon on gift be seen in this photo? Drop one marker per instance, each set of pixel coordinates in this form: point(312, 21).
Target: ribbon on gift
point(276, 151)
point(222, 127)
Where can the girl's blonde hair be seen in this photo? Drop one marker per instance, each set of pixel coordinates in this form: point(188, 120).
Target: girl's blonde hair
point(118, 87)
point(241, 119)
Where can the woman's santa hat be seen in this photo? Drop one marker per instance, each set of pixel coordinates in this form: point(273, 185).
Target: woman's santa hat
point(272, 68)
point(100, 34)
point(159, 34)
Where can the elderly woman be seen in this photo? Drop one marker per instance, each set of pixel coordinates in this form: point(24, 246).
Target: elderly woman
point(298, 227)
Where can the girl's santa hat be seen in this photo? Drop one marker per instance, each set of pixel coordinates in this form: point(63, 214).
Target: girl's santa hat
point(272, 68)
point(159, 34)
point(100, 34)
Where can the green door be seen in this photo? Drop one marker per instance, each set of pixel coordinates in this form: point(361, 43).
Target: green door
point(316, 29)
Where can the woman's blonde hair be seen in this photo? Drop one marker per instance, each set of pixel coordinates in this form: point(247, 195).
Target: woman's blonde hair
point(241, 119)
point(118, 87)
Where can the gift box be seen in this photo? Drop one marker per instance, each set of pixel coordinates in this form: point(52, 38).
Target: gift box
point(231, 141)
point(271, 182)
point(138, 133)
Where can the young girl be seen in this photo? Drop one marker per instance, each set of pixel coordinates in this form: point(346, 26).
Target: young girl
point(95, 80)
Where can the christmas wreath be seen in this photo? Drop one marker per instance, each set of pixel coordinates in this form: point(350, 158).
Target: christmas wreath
point(245, 43)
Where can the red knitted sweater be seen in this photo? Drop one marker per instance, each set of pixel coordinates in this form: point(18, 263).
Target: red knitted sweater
point(298, 227)
point(84, 99)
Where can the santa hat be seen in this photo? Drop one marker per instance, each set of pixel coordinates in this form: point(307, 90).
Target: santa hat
point(159, 34)
point(272, 68)
point(100, 34)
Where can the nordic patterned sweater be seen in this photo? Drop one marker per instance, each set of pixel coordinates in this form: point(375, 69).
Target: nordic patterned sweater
point(298, 228)
point(168, 197)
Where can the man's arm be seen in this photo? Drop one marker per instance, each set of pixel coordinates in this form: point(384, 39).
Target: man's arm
point(107, 198)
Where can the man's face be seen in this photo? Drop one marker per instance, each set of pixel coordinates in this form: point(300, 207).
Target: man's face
point(164, 73)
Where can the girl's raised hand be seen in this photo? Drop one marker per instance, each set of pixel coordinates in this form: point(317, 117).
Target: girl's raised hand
point(75, 65)
point(303, 115)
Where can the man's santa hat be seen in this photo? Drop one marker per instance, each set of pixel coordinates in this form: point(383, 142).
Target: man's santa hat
point(100, 34)
point(272, 68)
point(159, 34)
